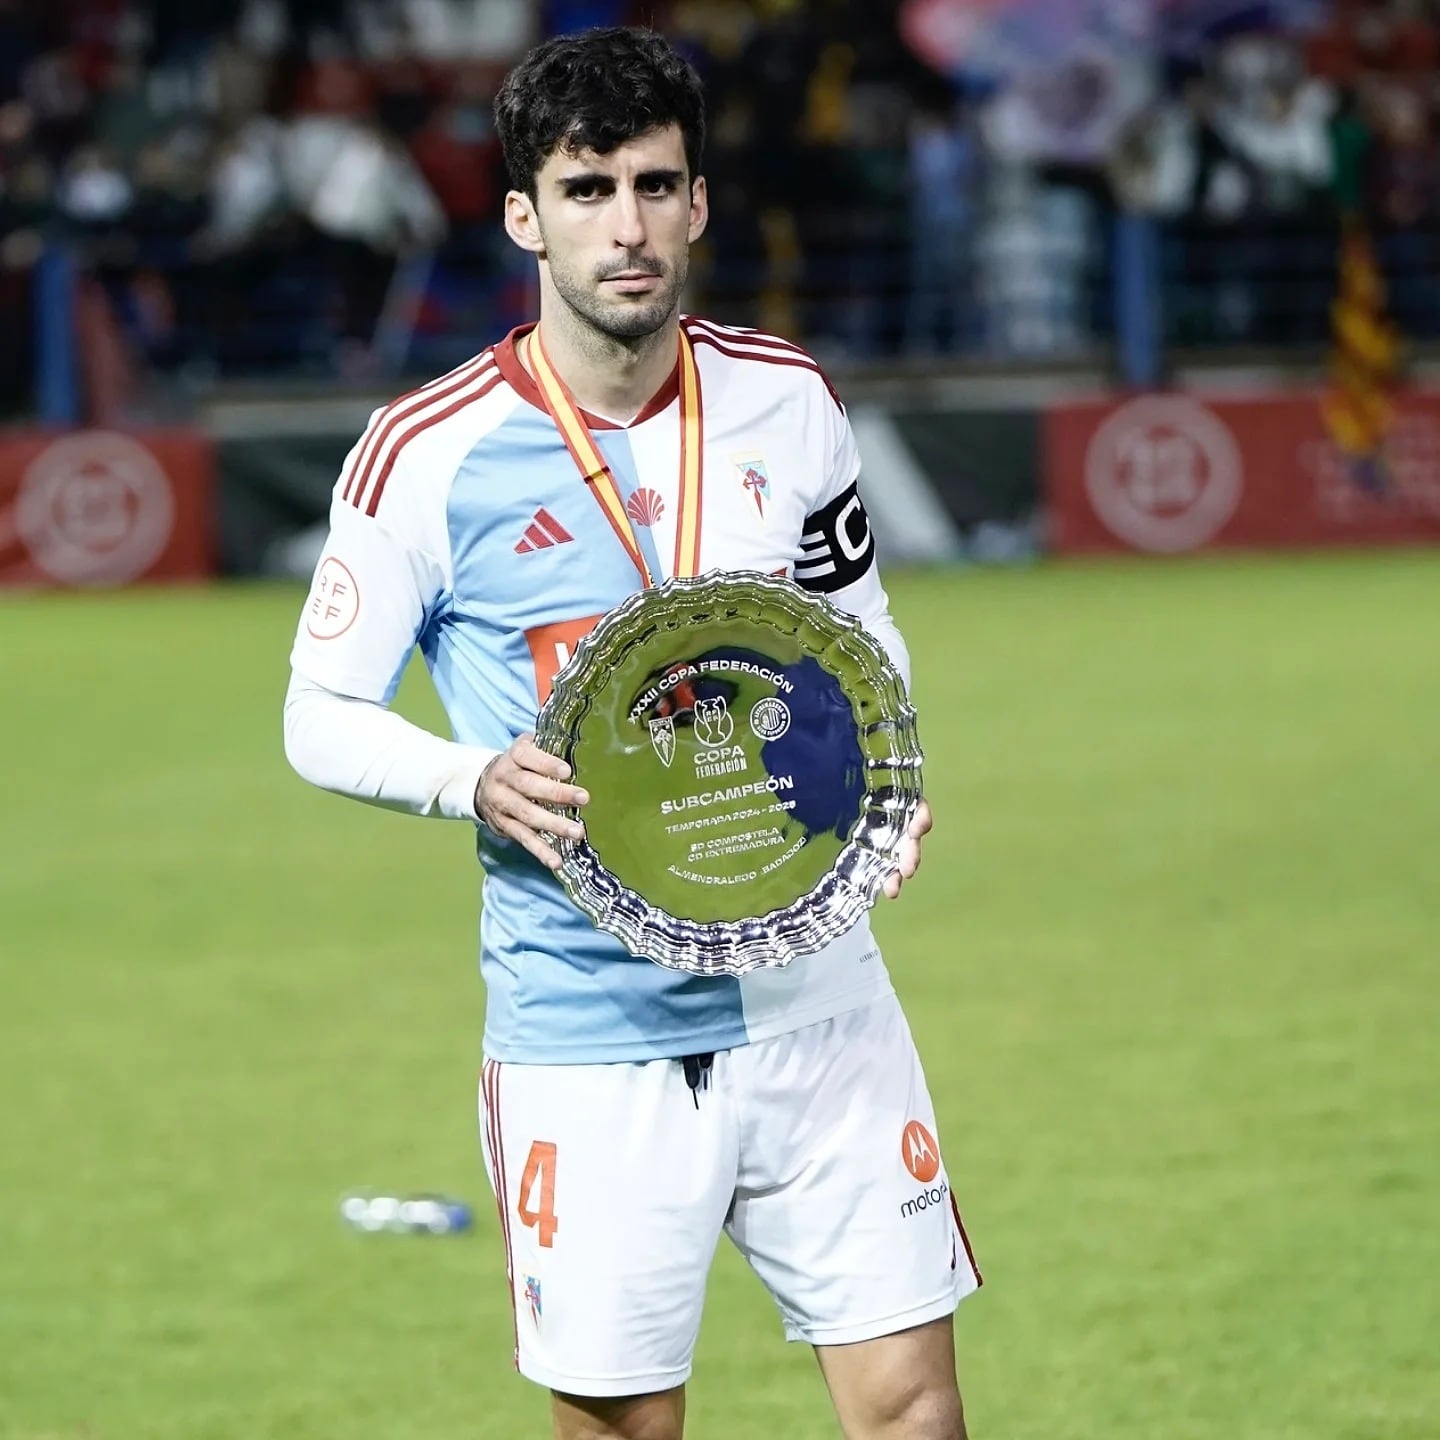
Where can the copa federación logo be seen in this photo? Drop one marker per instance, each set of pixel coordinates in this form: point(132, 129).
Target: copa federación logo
point(714, 724)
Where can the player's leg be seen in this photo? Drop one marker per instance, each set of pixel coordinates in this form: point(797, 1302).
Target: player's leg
point(641, 1417)
point(898, 1387)
point(612, 1187)
point(845, 1211)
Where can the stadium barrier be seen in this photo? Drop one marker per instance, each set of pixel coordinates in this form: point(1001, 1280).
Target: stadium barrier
point(1173, 473)
point(105, 507)
point(940, 484)
point(961, 476)
point(946, 479)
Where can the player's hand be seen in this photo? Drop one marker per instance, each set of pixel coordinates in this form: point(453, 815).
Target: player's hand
point(908, 861)
point(514, 790)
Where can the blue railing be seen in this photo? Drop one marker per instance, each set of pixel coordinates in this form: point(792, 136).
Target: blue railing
point(1032, 286)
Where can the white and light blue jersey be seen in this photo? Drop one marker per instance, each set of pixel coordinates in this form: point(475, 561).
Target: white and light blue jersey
point(460, 525)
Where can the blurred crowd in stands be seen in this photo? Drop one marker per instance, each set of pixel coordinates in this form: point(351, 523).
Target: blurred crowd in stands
point(314, 187)
point(1256, 152)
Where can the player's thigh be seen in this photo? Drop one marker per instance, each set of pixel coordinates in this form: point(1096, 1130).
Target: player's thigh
point(844, 1207)
point(612, 1189)
point(897, 1387)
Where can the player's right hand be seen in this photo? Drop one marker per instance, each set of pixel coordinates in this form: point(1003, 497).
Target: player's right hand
point(513, 791)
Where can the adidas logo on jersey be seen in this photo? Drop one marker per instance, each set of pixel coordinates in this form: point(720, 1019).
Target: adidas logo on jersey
point(543, 533)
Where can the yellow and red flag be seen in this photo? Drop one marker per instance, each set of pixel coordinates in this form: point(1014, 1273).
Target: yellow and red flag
point(1359, 406)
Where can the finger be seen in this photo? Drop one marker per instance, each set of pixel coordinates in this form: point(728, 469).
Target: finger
point(893, 883)
point(536, 818)
point(922, 822)
point(504, 801)
point(548, 791)
point(529, 756)
point(534, 844)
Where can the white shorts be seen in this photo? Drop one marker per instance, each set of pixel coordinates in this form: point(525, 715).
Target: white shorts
point(815, 1152)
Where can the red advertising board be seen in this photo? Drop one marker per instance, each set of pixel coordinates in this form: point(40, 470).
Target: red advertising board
point(1168, 473)
point(105, 507)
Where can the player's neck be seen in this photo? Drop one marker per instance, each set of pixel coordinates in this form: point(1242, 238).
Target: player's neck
point(611, 378)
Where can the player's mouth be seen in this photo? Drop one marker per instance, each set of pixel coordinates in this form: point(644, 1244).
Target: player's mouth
point(634, 282)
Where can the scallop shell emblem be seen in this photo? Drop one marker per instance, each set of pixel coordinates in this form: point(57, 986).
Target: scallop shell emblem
point(645, 507)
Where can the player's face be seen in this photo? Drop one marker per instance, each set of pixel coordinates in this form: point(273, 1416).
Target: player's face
point(615, 231)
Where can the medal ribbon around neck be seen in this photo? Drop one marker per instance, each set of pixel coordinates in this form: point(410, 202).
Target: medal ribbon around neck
point(601, 479)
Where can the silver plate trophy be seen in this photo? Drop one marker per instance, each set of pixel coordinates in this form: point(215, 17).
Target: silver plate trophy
point(753, 766)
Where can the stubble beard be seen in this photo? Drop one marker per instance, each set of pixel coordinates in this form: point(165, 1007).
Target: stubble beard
point(626, 321)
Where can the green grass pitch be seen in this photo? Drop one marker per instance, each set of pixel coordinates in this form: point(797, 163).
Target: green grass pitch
point(1173, 963)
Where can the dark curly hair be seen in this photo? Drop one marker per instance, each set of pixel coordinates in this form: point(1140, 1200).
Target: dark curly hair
point(594, 91)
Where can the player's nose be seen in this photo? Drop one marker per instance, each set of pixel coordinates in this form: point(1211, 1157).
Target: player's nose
point(629, 221)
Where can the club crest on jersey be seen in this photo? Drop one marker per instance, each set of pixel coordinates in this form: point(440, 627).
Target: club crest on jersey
point(756, 480)
point(713, 724)
point(645, 507)
point(662, 737)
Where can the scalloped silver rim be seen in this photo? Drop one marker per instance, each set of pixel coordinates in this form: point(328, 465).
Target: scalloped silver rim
point(854, 881)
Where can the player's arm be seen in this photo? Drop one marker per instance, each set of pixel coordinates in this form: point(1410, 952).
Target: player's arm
point(837, 560)
point(367, 603)
point(362, 749)
point(372, 594)
point(837, 548)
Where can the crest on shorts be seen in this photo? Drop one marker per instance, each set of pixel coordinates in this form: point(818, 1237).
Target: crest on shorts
point(662, 737)
point(532, 1297)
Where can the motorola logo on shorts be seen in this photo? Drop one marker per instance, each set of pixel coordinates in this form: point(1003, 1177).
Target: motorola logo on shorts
point(935, 1195)
point(921, 1154)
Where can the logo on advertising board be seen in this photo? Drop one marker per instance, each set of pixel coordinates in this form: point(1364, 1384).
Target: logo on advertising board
point(1164, 474)
point(1413, 460)
point(95, 509)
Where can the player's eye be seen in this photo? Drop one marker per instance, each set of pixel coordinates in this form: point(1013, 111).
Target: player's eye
point(657, 186)
point(590, 189)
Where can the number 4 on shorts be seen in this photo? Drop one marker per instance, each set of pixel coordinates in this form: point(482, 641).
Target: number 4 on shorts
point(539, 1171)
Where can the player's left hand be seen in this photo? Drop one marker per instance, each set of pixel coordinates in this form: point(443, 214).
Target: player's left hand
point(908, 861)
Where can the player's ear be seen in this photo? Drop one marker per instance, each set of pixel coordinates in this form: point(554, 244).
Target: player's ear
point(522, 223)
point(699, 208)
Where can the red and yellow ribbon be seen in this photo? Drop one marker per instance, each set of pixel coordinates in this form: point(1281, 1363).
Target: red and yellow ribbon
point(597, 474)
